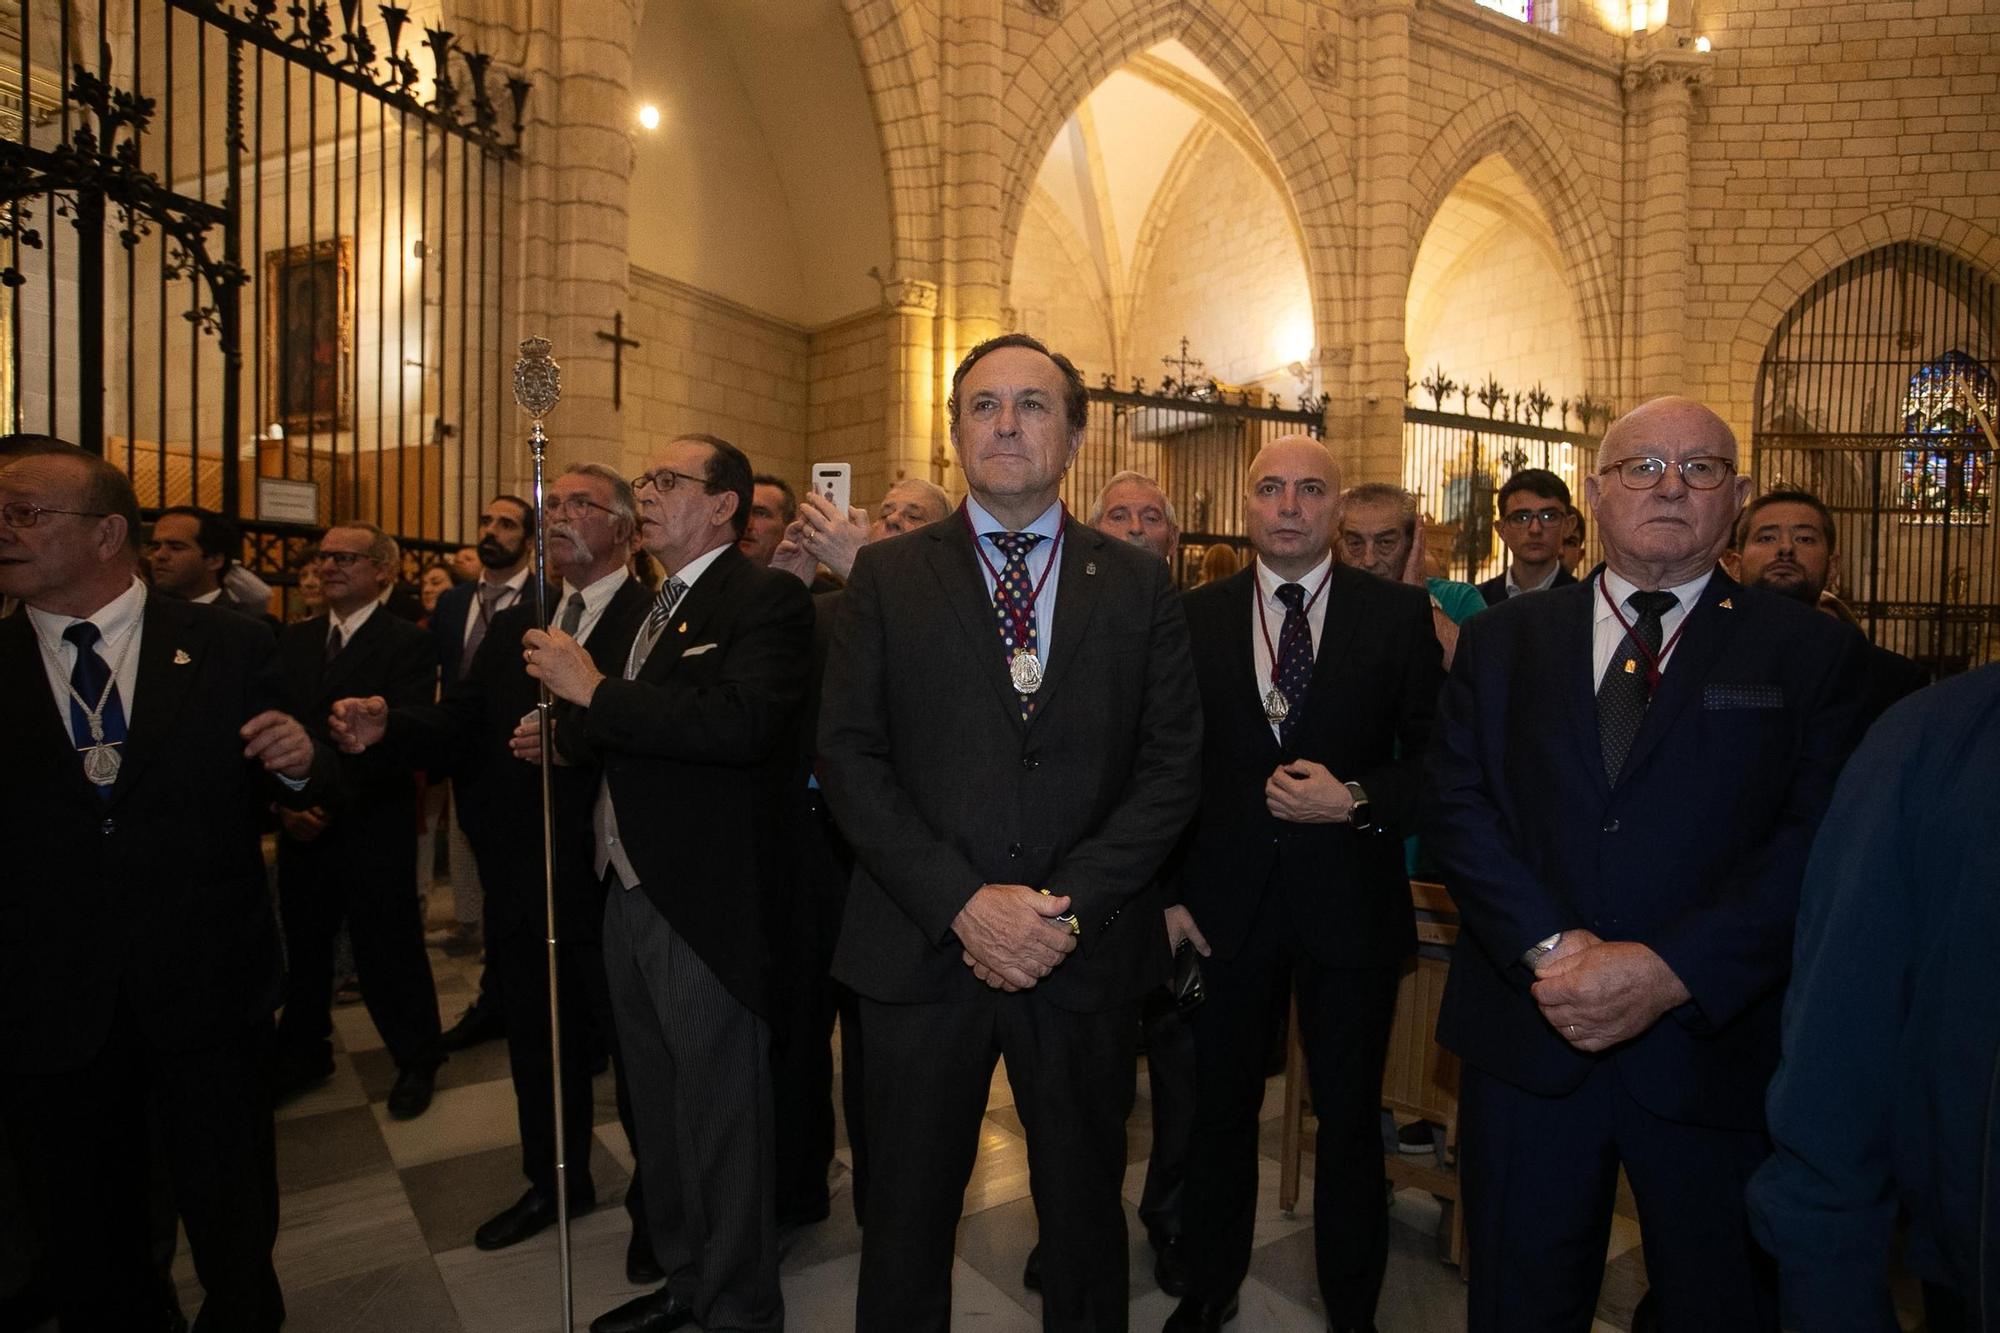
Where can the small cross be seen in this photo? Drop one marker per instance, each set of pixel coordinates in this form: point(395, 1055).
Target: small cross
point(619, 342)
point(1184, 364)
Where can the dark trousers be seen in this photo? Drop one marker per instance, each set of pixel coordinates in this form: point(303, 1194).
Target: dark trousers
point(930, 1069)
point(1344, 1019)
point(1540, 1178)
point(89, 1172)
point(1169, 1043)
point(698, 1063)
point(316, 892)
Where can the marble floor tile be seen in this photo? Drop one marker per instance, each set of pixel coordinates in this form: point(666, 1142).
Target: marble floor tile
point(337, 1231)
point(452, 1197)
point(519, 1290)
point(1272, 1221)
point(1002, 1092)
point(1624, 1236)
point(409, 1297)
point(611, 1138)
point(339, 1093)
point(355, 1029)
point(484, 1063)
point(459, 1121)
point(329, 1147)
point(604, 1099)
point(835, 1238)
point(1000, 1172)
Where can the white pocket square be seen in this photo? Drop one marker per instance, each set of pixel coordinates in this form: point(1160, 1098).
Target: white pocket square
point(698, 650)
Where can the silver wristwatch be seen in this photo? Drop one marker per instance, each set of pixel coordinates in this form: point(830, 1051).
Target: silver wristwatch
point(1537, 952)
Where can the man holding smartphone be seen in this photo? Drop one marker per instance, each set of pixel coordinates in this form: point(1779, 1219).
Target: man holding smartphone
point(1317, 687)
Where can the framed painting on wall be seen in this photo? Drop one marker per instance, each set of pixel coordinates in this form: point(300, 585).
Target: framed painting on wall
point(308, 337)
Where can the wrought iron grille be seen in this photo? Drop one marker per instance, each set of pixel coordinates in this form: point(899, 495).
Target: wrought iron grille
point(1195, 440)
point(1877, 394)
point(254, 256)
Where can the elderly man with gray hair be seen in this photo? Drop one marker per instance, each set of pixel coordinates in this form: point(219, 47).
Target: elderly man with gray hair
point(1134, 508)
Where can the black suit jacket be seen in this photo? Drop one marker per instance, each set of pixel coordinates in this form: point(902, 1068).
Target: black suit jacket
point(373, 835)
point(701, 753)
point(1494, 590)
point(1697, 852)
point(1366, 717)
point(941, 787)
point(499, 799)
point(159, 894)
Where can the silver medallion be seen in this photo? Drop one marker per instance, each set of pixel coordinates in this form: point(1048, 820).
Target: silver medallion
point(1026, 670)
point(537, 378)
point(100, 764)
point(1276, 705)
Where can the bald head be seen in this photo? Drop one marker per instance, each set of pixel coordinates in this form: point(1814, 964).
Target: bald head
point(1292, 502)
point(1658, 530)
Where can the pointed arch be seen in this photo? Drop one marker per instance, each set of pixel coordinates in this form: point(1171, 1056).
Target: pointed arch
point(1505, 121)
point(1096, 37)
point(899, 64)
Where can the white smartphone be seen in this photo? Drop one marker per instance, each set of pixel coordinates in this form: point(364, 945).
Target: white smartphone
point(834, 482)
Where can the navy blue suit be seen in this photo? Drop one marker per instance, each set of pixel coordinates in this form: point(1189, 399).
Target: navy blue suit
point(1494, 590)
point(447, 626)
point(1697, 851)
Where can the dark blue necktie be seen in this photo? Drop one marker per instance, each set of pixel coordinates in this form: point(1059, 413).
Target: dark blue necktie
point(87, 678)
point(1295, 659)
point(1624, 693)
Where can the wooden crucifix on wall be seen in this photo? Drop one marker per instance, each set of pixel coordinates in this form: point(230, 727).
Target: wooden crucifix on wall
point(619, 342)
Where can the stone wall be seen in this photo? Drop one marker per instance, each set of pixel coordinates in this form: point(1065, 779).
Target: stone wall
point(1504, 309)
point(847, 403)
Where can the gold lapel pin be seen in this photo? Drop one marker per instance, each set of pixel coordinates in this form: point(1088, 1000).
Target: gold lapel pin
point(1090, 568)
point(1727, 604)
point(181, 657)
point(682, 628)
point(1631, 667)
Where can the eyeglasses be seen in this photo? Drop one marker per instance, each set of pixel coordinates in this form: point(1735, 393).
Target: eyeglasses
point(1522, 518)
point(1703, 472)
point(21, 514)
point(577, 506)
point(665, 479)
point(342, 559)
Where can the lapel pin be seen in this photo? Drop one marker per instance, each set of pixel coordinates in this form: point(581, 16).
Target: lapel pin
point(1727, 604)
point(1090, 568)
point(682, 628)
point(181, 657)
point(1631, 666)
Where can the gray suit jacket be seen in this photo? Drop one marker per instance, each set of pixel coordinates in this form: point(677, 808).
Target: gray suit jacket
point(941, 787)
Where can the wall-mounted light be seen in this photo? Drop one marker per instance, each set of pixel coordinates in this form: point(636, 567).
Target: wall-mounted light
point(649, 117)
point(1703, 45)
point(1639, 15)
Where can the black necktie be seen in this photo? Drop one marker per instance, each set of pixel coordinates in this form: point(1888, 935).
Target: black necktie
point(1295, 659)
point(572, 614)
point(335, 641)
point(88, 678)
point(1624, 692)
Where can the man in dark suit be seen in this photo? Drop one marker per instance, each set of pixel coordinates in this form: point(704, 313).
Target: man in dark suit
point(1009, 740)
point(473, 736)
point(190, 554)
point(358, 862)
point(696, 737)
point(138, 956)
point(1628, 867)
point(1786, 543)
point(1535, 517)
point(1317, 684)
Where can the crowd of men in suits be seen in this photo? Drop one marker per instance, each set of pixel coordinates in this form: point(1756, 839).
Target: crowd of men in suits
point(973, 783)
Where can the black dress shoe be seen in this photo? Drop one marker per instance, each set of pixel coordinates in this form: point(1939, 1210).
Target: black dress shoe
point(641, 1268)
point(530, 1215)
point(1031, 1272)
point(480, 1022)
point(411, 1096)
point(655, 1312)
point(1195, 1315)
point(1170, 1266)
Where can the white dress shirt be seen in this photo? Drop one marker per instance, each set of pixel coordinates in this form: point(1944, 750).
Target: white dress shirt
point(1515, 589)
point(1267, 616)
point(120, 625)
point(351, 625)
point(1047, 526)
point(596, 597)
point(1606, 632)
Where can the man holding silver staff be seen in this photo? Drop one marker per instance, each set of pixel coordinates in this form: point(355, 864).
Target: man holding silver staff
point(695, 736)
point(477, 735)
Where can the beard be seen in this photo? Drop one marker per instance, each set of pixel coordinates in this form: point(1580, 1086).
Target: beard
point(1799, 589)
point(494, 554)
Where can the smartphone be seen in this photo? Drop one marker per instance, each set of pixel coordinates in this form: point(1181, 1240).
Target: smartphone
point(835, 483)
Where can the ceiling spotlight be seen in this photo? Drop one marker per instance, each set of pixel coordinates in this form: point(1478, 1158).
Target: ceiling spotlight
point(649, 116)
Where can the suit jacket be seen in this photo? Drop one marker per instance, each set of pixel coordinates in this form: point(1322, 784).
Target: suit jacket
point(464, 737)
point(159, 894)
point(940, 786)
point(373, 835)
point(1494, 590)
point(1366, 717)
point(701, 754)
point(1697, 852)
point(447, 626)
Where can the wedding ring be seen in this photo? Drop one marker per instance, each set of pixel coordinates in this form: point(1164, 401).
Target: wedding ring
point(1572, 1029)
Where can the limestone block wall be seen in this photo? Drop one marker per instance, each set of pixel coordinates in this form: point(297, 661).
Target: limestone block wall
point(1056, 294)
point(1505, 310)
point(709, 365)
point(847, 403)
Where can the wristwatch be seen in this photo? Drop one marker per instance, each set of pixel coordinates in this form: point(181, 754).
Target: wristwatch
point(1359, 816)
point(1537, 952)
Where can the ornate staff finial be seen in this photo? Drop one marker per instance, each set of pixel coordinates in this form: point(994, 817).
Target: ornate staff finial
point(537, 379)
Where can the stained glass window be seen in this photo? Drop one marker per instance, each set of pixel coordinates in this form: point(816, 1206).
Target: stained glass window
point(1947, 470)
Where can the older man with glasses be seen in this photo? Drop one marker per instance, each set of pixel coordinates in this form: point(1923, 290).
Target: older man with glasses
point(1623, 790)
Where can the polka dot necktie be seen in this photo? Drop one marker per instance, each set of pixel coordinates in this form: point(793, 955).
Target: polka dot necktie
point(1011, 594)
point(1623, 694)
point(1295, 659)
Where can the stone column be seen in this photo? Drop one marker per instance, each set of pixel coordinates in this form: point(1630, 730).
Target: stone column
point(1659, 88)
point(567, 221)
point(972, 78)
point(910, 306)
point(1366, 419)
